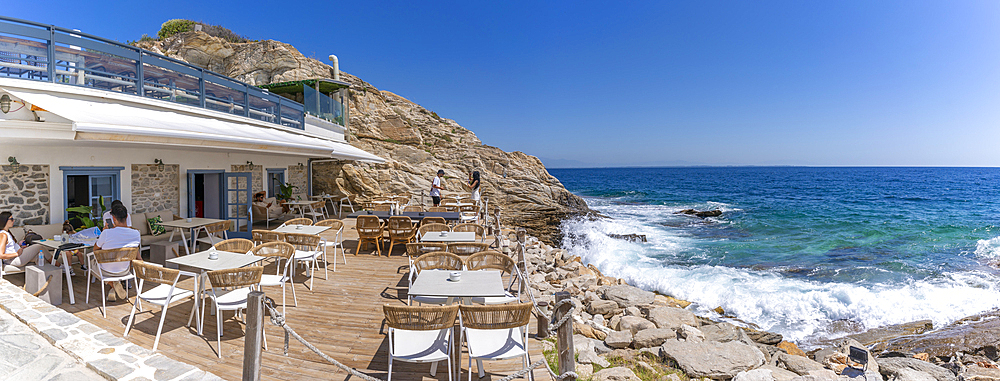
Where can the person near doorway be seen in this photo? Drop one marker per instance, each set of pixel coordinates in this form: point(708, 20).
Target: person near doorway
point(107, 215)
point(436, 188)
point(118, 236)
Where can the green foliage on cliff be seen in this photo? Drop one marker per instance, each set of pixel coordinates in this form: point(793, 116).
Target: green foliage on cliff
point(175, 26)
point(172, 27)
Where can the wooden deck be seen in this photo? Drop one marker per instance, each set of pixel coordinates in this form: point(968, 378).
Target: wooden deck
point(342, 316)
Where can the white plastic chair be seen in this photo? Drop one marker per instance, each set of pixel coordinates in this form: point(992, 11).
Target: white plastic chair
point(495, 333)
point(350, 204)
point(106, 257)
point(283, 274)
point(338, 241)
point(309, 249)
point(316, 211)
point(214, 233)
point(230, 291)
point(420, 334)
point(165, 292)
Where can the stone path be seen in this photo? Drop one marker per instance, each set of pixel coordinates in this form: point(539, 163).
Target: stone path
point(27, 356)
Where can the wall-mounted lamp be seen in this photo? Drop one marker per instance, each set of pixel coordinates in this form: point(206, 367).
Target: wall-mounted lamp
point(5, 103)
point(301, 165)
point(14, 165)
point(250, 163)
point(159, 163)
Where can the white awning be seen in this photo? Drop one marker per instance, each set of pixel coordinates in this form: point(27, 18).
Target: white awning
point(106, 121)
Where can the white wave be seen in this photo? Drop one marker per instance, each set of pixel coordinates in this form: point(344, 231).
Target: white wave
point(801, 310)
point(988, 248)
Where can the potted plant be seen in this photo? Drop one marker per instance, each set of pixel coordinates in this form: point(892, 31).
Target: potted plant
point(84, 217)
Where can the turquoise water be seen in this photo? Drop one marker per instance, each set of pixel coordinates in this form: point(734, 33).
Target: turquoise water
point(800, 251)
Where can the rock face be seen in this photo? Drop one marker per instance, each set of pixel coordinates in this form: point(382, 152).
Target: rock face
point(969, 335)
point(712, 359)
point(415, 141)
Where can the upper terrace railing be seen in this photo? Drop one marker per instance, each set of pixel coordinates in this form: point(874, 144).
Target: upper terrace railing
point(40, 52)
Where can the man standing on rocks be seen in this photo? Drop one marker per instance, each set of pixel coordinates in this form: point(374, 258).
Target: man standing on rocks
point(436, 188)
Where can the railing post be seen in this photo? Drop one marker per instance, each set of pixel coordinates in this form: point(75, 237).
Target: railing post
point(50, 66)
point(564, 337)
point(254, 336)
point(542, 330)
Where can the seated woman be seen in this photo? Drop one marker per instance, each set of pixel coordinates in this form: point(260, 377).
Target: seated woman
point(11, 251)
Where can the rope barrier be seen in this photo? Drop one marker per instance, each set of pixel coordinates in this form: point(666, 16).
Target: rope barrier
point(279, 320)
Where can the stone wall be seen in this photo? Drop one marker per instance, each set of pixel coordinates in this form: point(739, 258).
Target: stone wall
point(154, 189)
point(26, 193)
point(257, 183)
point(297, 177)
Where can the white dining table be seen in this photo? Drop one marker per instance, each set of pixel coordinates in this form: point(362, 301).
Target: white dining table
point(191, 224)
point(448, 237)
point(300, 205)
point(202, 264)
point(53, 245)
point(302, 229)
point(473, 284)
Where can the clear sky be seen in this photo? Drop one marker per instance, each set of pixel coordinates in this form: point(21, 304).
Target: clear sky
point(646, 83)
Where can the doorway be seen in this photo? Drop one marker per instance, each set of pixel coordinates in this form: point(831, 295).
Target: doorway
point(205, 195)
point(87, 186)
point(275, 179)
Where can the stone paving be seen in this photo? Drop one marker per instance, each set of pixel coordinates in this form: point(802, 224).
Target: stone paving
point(86, 345)
point(27, 356)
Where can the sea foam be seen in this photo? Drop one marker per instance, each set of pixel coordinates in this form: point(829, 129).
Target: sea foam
point(801, 309)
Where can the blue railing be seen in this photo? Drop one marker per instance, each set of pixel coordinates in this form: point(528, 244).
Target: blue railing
point(34, 51)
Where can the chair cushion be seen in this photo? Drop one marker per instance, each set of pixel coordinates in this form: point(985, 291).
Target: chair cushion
point(272, 280)
point(155, 227)
point(420, 346)
point(158, 295)
point(495, 344)
point(231, 300)
point(143, 228)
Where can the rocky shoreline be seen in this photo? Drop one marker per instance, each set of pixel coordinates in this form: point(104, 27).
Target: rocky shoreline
point(624, 333)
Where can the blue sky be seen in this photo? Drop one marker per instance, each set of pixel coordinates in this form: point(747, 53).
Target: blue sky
point(649, 83)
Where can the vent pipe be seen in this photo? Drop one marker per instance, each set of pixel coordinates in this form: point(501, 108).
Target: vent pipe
point(336, 67)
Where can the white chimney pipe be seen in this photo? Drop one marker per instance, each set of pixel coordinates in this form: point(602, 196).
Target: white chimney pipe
point(336, 67)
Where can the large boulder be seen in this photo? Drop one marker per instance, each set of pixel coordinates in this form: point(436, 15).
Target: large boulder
point(724, 332)
point(673, 318)
point(978, 373)
point(969, 335)
point(634, 324)
point(652, 337)
point(626, 296)
point(797, 364)
point(903, 368)
point(615, 374)
point(754, 375)
point(618, 339)
point(692, 334)
point(712, 359)
point(779, 374)
point(602, 307)
point(764, 337)
point(591, 357)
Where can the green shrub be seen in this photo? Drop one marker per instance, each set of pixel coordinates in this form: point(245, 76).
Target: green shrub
point(172, 27)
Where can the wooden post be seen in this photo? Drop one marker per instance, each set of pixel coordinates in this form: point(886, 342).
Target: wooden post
point(254, 336)
point(564, 337)
point(543, 322)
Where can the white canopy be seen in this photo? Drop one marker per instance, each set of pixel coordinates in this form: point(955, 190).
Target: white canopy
point(139, 123)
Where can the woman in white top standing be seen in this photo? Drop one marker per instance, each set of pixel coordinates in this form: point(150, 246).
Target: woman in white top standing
point(474, 186)
point(13, 253)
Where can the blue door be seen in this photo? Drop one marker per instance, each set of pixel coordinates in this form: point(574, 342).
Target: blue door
point(238, 199)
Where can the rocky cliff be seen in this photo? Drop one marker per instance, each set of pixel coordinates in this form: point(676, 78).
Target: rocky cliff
point(415, 141)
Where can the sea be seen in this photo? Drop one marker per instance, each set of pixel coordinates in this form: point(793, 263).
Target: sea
point(811, 253)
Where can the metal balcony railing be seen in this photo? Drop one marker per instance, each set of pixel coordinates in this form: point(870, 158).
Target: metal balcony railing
point(39, 52)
